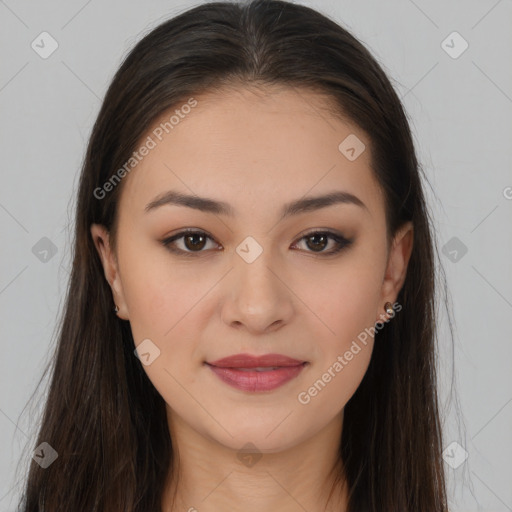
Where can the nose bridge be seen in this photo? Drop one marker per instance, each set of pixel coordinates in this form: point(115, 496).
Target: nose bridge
point(253, 264)
point(258, 298)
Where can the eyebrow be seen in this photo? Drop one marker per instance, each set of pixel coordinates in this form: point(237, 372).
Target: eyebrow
point(207, 205)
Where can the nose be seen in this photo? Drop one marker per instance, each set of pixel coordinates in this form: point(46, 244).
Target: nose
point(257, 296)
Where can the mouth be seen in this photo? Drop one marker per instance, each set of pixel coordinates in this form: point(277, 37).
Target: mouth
point(248, 375)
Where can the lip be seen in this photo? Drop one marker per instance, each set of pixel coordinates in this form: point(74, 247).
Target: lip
point(239, 371)
point(248, 361)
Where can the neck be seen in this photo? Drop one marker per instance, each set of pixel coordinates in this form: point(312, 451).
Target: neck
point(208, 477)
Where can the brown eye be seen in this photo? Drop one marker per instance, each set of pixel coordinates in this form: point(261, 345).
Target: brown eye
point(317, 241)
point(190, 241)
point(194, 241)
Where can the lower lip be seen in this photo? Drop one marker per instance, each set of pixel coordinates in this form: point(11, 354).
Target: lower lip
point(257, 381)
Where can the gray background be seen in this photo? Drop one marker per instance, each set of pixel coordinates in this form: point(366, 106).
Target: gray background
point(460, 110)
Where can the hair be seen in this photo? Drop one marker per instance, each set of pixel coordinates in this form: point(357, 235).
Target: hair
point(103, 415)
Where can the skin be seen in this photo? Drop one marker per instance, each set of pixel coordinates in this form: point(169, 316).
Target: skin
point(256, 152)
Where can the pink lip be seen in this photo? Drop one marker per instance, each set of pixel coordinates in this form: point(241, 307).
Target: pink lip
point(230, 370)
point(248, 361)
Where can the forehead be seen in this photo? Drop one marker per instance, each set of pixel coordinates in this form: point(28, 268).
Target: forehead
point(251, 147)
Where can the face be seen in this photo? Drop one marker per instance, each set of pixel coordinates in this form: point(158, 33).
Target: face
point(257, 276)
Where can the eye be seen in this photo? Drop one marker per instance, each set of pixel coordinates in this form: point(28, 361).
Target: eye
point(319, 240)
point(194, 241)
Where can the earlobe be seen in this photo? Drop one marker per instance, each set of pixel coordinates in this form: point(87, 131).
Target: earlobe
point(398, 261)
point(101, 239)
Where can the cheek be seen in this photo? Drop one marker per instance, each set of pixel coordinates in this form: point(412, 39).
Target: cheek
point(164, 306)
point(346, 298)
point(344, 340)
point(330, 387)
point(159, 295)
point(343, 345)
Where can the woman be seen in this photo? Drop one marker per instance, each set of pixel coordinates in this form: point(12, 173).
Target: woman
point(250, 319)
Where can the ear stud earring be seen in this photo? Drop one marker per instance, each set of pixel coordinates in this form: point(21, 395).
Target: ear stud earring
point(389, 308)
point(116, 309)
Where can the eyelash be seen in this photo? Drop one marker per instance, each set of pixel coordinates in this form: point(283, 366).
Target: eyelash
point(341, 242)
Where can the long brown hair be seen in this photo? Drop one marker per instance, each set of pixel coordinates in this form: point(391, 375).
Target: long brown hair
point(102, 414)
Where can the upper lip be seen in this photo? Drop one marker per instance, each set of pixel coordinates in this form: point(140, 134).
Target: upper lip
point(248, 361)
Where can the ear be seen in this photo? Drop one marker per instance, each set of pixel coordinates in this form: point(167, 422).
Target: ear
point(396, 271)
point(101, 239)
